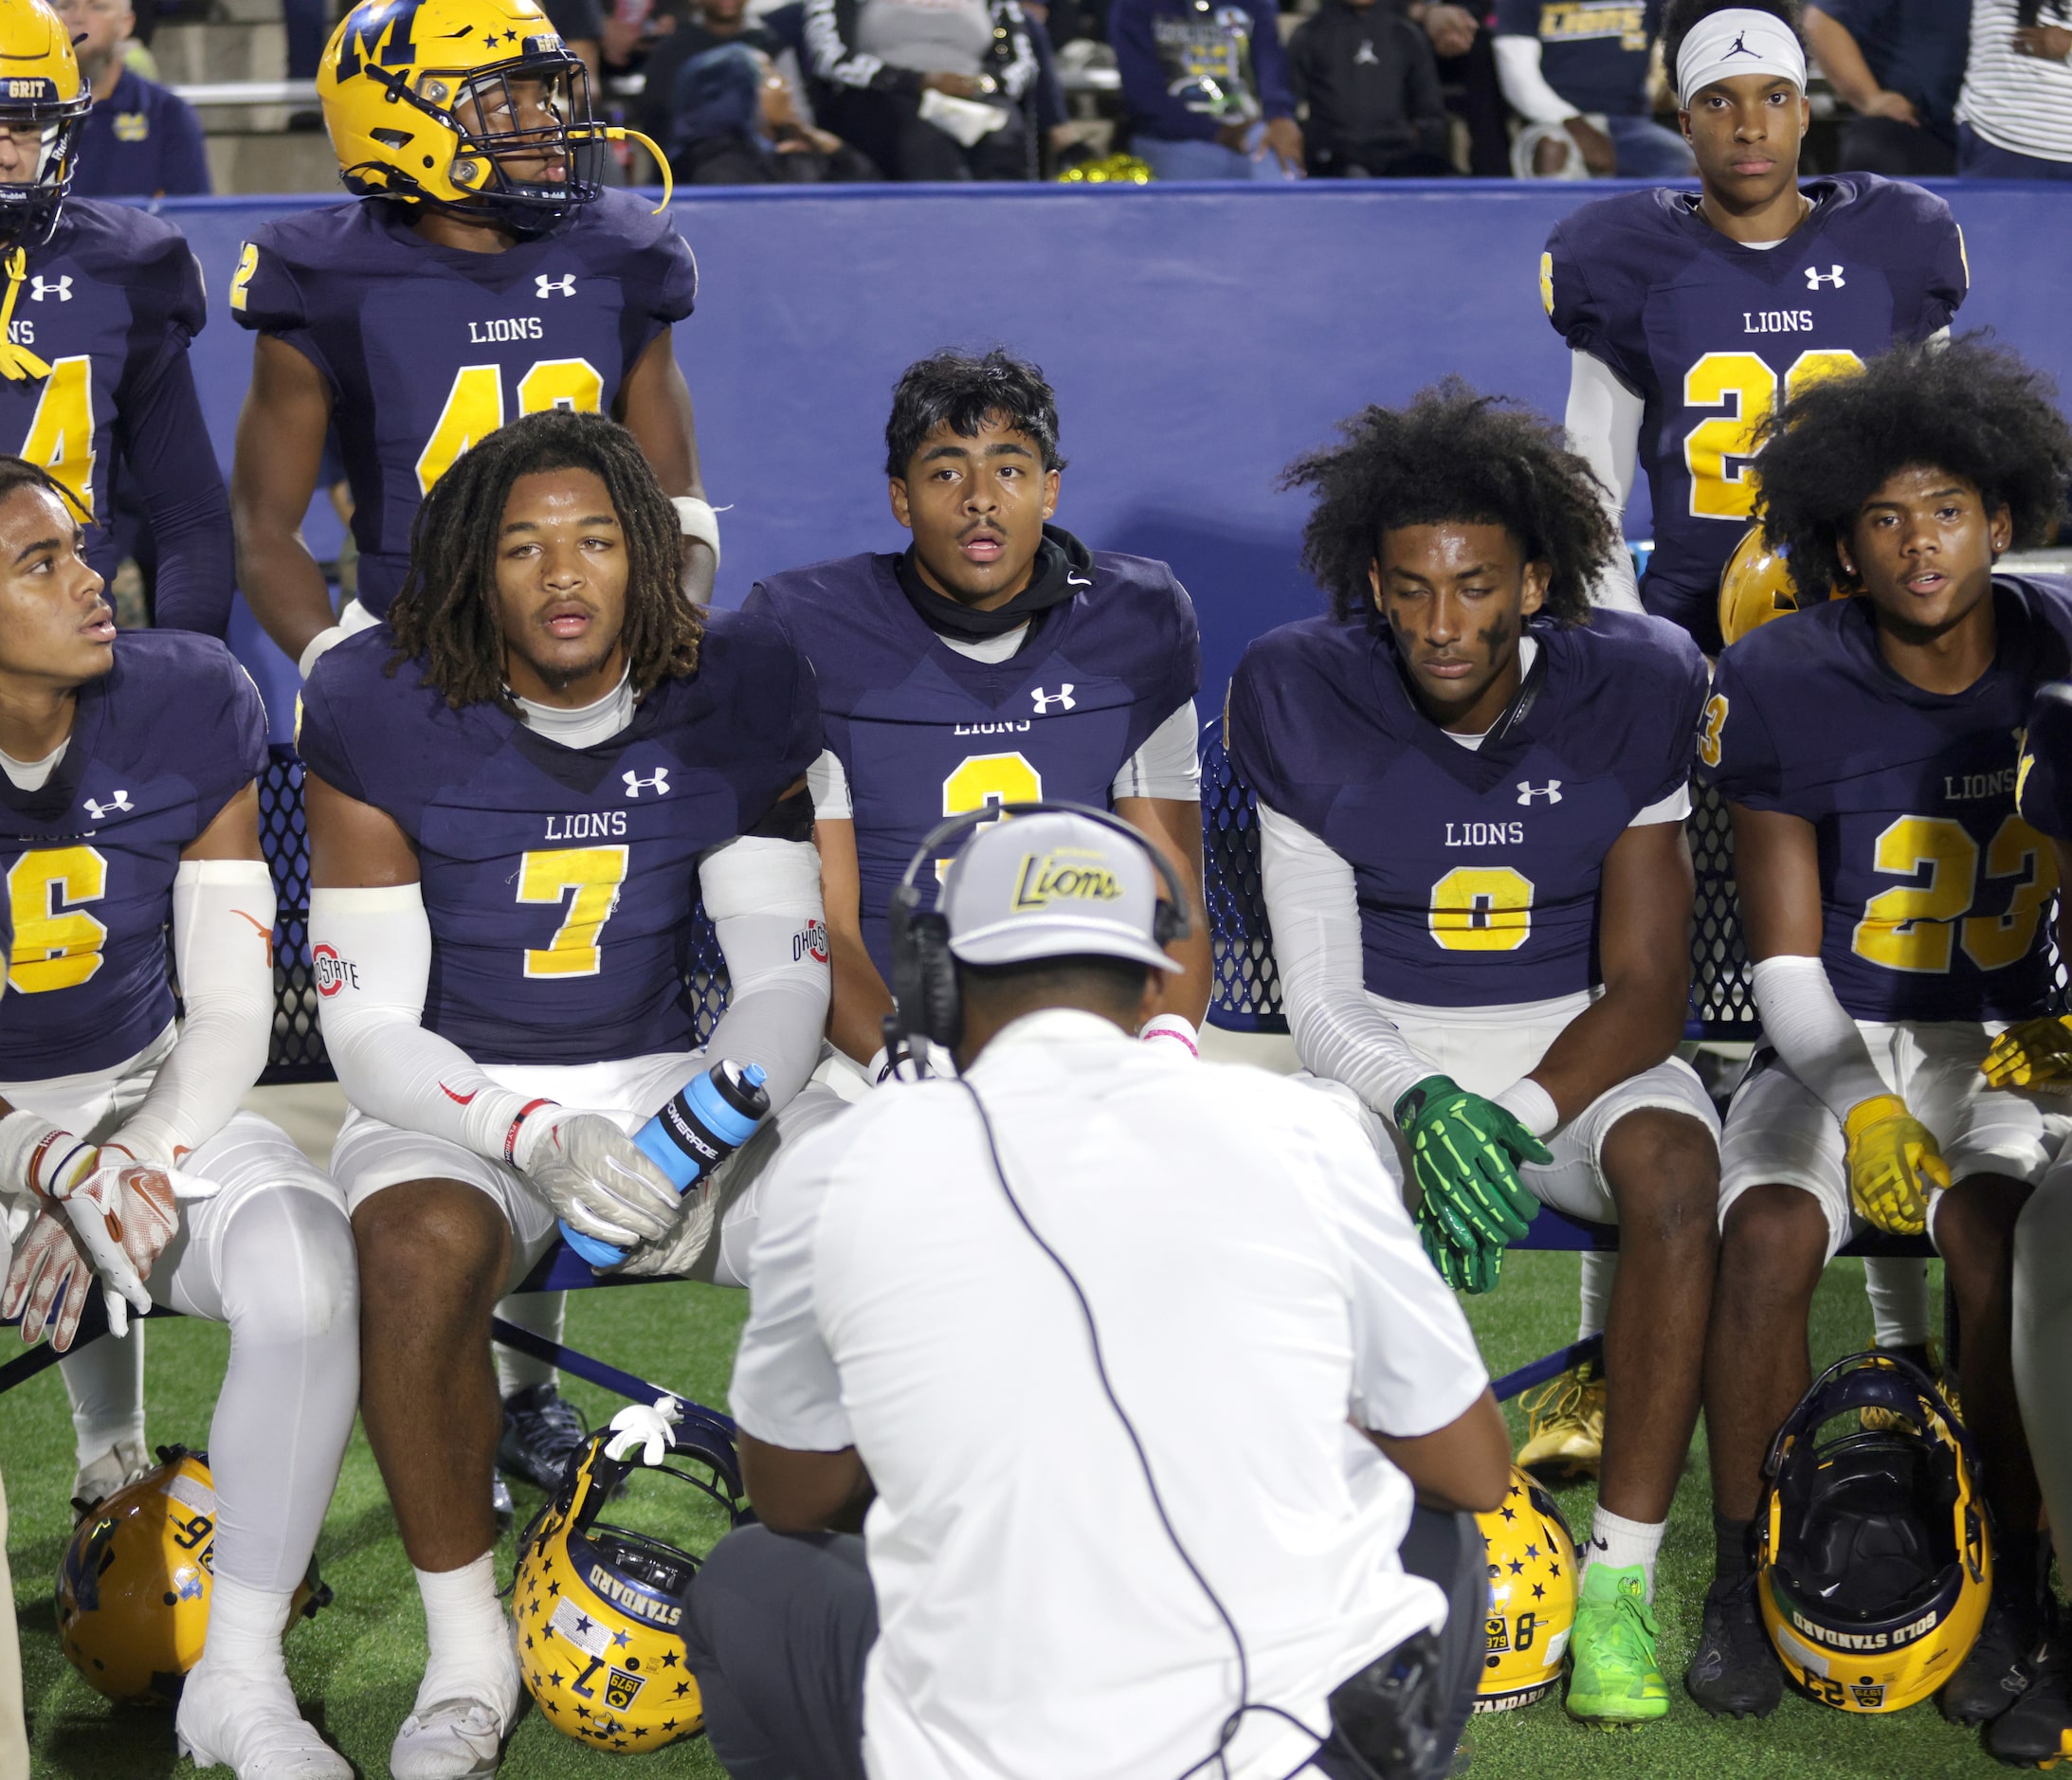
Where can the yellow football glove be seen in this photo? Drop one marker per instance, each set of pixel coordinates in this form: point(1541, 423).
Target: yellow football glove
point(1892, 1162)
point(2030, 1055)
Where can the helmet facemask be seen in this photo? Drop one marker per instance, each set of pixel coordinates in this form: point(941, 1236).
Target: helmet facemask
point(28, 208)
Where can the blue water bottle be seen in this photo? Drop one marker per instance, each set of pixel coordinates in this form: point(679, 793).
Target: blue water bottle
point(715, 1114)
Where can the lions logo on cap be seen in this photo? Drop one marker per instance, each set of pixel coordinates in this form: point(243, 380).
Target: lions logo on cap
point(1059, 876)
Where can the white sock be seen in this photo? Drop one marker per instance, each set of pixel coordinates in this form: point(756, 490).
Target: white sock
point(1621, 1543)
point(468, 1638)
point(541, 1313)
point(246, 1625)
point(1600, 1274)
point(105, 1382)
point(1899, 1301)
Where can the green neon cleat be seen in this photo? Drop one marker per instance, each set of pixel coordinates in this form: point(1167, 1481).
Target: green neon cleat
point(1613, 1677)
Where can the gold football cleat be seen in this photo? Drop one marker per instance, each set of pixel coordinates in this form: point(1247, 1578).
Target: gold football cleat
point(1885, 1422)
point(1565, 1425)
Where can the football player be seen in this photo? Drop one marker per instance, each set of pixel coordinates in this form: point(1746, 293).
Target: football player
point(517, 787)
point(2035, 1730)
point(481, 272)
point(1894, 905)
point(100, 303)
point(128, 801)
point(1471, 793)
point(996, 660)
point(1690, 315)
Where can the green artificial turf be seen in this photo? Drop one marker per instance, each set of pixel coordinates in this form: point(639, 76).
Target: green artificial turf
point(356, 1666)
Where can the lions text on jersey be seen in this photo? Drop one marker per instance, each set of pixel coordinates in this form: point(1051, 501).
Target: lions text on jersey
point(428, 348)
point(159, 745)
point(559, 881)
point(924, 733)
point(1477, 870)
point(1934, 893)
point(1713, 334)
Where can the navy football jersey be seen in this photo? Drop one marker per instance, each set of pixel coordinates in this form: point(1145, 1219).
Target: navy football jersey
point(559, 881)
point(924, 733)
point(159, 745)
point(1934, 893)
point(1478, 871)
point(110, 302)
point(430, 349)
point(1712, 335)
point(2042, 786)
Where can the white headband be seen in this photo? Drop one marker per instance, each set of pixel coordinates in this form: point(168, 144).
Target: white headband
point(1738, 41)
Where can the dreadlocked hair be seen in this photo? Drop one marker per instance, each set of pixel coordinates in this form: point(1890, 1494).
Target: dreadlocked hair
point(1679, 15)
point(1964, 409)
point(446, 612)
point(20, 473)
point(1452, 456)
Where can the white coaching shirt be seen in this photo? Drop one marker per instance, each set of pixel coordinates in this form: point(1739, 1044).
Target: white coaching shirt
point(1256, 1281)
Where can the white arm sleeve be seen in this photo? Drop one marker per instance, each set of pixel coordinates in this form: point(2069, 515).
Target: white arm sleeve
point(1604, 427)
point(1524, 84)
point(1313, 906)
point(389, 1065)
point(828, 785)
point(222, 911)
point(1167, 765)
point(764, 899)
point(1814, 1034)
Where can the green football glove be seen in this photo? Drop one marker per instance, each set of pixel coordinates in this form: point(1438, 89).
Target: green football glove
point(1465, 1151)
point(1465, 1270)
point(2030, 1055)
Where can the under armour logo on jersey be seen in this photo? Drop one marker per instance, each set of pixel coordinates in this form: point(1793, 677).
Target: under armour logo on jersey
point(554, 286)
point(1043, 701)
point(100, 812)
point(656, 782)
point(1815, 278)
point(39, 287)
point(1528, 791)
point(1364, 56)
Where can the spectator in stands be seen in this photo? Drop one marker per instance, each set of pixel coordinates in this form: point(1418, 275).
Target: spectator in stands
point(709, 25)
point(1149, 1253)
point(1367, 77)
point(581, 24)
point(928, 89)
point(1207, 89)
point(2015, 116)
point(735, 124)
point(1898, 65)
point(1468, 67)
point(140, 140)
point(1579, 75)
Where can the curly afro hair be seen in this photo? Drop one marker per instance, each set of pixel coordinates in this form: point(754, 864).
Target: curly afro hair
point(1452, 455)
point(1963, 408)
point(1679, 15)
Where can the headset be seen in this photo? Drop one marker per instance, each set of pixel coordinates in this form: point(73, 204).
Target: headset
point(924, 978)
point(924, 987)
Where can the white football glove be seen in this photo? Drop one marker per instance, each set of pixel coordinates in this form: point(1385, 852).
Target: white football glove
point(637, 1425)
point(681, 1245)
point(47, 1282)
point(123, 1214)
point(594, 1177)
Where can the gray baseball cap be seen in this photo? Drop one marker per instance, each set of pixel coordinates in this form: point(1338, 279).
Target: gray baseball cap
point(1052, 885)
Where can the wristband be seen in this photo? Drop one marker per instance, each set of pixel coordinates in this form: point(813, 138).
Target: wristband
point(1530, 1105)
point(510, 1136)
point(697, 518)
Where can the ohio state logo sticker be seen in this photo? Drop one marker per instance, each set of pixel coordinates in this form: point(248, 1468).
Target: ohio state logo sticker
point(333, 972)
point(811, 941)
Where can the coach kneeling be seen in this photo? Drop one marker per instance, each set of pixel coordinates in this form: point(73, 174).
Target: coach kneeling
point(1092, 1334)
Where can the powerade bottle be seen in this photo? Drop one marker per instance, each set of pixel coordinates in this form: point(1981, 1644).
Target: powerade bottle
point(715, 1114)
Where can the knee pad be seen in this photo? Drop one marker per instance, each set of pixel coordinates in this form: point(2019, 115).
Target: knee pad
point(287, 1270)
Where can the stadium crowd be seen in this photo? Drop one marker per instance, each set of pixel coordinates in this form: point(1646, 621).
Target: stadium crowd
point(948, 1126)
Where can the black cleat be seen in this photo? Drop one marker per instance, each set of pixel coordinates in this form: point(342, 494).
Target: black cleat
point(2036, 1731)
point(542, 1431)
point(1996, 1672)
point(1734, 1672)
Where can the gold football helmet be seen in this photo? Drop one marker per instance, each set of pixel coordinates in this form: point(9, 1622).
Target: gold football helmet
point(42, 91)
point(1532, 1597)
point(132, 1593)
point(600, 1609)
point(1754, 587)
point(1874, 1567)
point(464, 105)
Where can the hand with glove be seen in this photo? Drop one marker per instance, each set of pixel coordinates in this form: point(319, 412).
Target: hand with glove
point(598, 1180)
point(650, 1430)
point(48, 1282)
point(2036, 1054)
point(1894, 1163)
point(1464, 1151)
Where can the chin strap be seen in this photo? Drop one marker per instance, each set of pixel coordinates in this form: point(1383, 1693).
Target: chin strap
point(17, 362)
point(616, 134)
